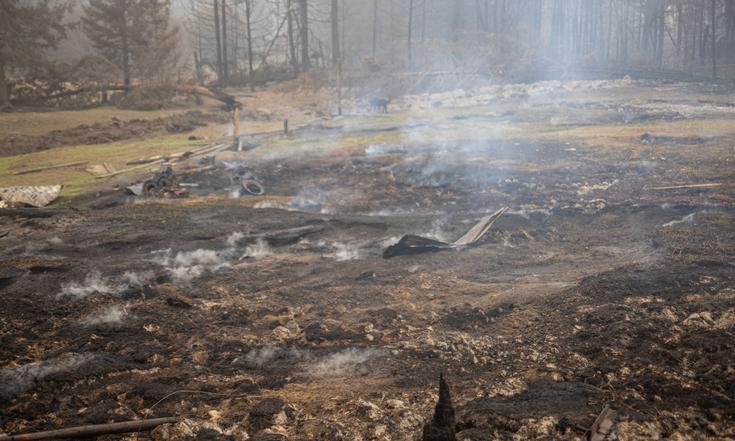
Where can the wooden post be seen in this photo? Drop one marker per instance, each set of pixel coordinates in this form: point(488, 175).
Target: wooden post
point(236, 128)
point(285, 126)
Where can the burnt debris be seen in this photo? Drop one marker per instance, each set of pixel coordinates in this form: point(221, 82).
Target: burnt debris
point(442, 426)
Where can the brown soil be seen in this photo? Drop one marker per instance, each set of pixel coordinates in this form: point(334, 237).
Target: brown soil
point(592, 290)
point(101, 133)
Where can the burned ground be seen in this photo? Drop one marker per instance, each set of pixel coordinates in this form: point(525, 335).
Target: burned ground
point(595, 288)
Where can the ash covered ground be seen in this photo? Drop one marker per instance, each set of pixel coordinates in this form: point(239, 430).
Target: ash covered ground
point(276, 317)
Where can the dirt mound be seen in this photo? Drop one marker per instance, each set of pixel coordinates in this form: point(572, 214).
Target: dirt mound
point(101, 133)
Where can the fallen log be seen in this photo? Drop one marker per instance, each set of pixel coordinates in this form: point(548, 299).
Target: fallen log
point(93, 430)
point(51, 167)
point(229, 100)
point(86, 90)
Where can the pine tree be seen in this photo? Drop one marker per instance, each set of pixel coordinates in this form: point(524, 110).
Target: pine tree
point(27, 30)
point(133, 34)
point(159, 53)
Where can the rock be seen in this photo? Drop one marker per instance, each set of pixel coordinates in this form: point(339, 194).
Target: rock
point(268, 413)
point(200, 357)
point(380, 431)
point(281, 333)
point(395, 404)
point(369, 410)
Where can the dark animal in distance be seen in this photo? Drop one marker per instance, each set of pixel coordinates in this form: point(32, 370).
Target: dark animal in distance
point(379, 104)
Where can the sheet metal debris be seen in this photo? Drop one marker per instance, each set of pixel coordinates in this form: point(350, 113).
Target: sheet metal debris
point(412, 244)
point(35, 196)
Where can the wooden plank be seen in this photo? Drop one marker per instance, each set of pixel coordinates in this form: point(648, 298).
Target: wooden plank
point(119, 172)
point(51, 167)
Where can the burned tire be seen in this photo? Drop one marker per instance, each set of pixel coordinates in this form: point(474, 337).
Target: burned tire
point(149, 187)
point(164, 183)
point(253, 187)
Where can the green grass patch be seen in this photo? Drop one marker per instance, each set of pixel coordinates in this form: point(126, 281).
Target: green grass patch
point(76, 180)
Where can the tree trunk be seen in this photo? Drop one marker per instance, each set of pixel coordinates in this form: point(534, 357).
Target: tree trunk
point(334, 13)
point(375, 26)
point(125, 50)
point(304, 12)
point(661, 32)
point(455, 20)
point(291, 43)
point(248, 13)
point(4, 95)
point(714, 39)
point(225, 67)
point(423, 21)
point(218, 40)
point(410, 32)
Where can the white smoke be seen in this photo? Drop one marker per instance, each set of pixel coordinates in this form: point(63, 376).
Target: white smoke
point(437, 231)
point(234, 238)
point(258, 250)
point(94, 283)
point(15, 381)
point(374, 150)
point(186, 266)
point(349, 362)
point(526, 214)
point(110, 316)
point(267, 354)
point(686, 220)
point(269, 204)
point(344, 252)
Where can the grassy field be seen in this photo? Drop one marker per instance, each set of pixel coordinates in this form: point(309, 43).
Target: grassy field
point(357, 131)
